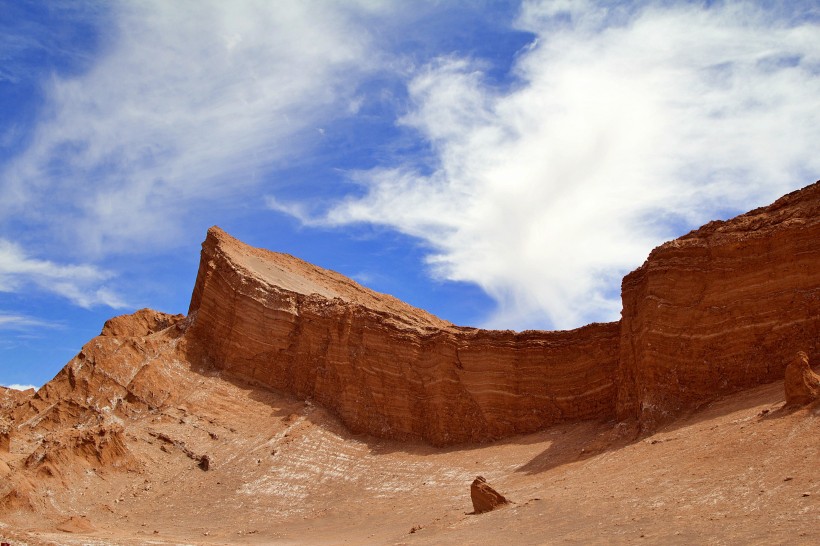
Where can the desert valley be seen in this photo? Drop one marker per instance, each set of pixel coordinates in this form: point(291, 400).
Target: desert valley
point(292, 405)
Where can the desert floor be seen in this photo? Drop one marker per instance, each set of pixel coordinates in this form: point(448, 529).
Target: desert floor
point(741, 470)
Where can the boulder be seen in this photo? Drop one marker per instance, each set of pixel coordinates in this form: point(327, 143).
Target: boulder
point(801, 383)
point(484, 497)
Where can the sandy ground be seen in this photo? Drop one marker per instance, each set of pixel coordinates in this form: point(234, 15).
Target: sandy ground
point(739, 471)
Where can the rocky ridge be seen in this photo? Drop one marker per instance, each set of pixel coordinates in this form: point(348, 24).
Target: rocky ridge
point(384, 367)
point(721, 309)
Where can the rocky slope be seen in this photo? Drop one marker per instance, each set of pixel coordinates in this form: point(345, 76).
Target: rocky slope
point(723, 308)
point(252, 397)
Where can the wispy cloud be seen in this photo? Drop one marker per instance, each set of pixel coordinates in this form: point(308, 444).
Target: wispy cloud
point(19, 387)
point(624, 128)
point(189, 104)
point(9, 321)
point(83, 285)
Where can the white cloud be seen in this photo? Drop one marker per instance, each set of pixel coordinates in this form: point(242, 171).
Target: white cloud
point(623, 130)
point(22, 322)
point(189, 103)
point(19, 387)
point(83, 285)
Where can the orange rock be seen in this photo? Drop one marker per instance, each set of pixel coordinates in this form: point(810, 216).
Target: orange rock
point(384, 367)
point(801, 383)
point(712, 312)
point(484, 497)
point(720, 309)
point(139, 324)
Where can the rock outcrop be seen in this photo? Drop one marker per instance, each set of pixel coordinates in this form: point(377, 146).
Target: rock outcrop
point(723, 308)
point(132, 366)
point(384, 367)
point(139, 324)
point(802, 385)
point(484, 497)
point(720, 309)
point(76, 422)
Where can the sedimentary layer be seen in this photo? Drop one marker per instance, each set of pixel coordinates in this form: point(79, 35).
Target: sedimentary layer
point(382, 366)
point(723, 308)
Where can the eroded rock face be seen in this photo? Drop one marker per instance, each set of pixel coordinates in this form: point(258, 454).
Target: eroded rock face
point(110, 377)
point(484, 497)
point(139, 324)
point(802, 385)
point(725, 307)
point(385, 367)
point(722, 308)
point(77, 421)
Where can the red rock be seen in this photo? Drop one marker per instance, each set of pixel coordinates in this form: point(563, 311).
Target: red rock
point(139, 324)
point(723, 308)
point(384, 367)
point(720, 309)
point(484, 497)
point(802, 385)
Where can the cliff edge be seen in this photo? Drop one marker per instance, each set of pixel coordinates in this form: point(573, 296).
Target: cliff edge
point(384, 367)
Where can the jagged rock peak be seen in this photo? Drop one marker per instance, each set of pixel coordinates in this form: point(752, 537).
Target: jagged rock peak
point(140, 323)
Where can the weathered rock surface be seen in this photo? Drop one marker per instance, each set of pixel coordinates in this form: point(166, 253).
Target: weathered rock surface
point(802, 385)
point(132, 366)
point(384, 367)
point(484, 497)
point(139, 324)
point(76, 423)
point(723, 308)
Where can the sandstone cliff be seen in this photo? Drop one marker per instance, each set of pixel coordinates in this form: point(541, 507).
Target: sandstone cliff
point(382, 366)
point(725, 307)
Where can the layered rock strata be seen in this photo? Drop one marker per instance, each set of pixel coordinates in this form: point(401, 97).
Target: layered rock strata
point(723, 308)
point(720, 309)
point(382, 366)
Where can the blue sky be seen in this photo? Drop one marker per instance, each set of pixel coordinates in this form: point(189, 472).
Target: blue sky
point(500, 164)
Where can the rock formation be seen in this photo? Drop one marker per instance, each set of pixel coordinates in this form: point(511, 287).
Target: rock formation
point(720, 309)
point(723, 308)
point(802, 385)
point(131, 366)
point(384, 367)
point(717, 310)
point(139, 324)
point(484, 497)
